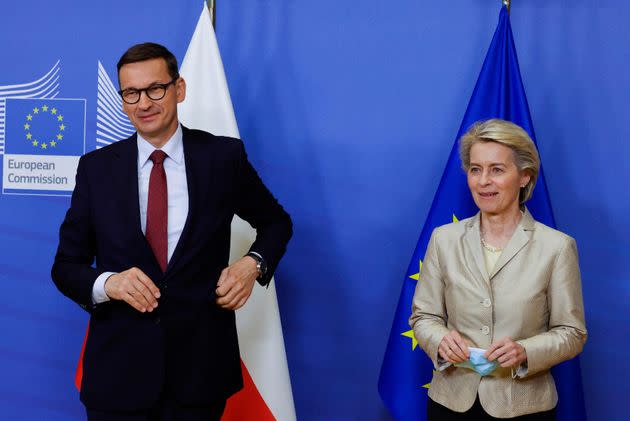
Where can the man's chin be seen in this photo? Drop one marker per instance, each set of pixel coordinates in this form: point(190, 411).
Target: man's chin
point(152, 134)
point(150, 129)
point(147, 128)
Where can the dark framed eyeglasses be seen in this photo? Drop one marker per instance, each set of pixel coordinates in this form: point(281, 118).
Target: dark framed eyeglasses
point(155, 92)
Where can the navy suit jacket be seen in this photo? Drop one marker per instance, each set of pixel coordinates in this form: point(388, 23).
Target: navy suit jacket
point(188, 344)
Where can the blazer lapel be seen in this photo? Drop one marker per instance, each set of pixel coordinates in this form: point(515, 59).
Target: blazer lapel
point(473, 242)
point(194, 161)
point(519, 239)
point(127, 184)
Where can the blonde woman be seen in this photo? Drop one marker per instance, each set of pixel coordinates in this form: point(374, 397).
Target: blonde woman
point(499, 300)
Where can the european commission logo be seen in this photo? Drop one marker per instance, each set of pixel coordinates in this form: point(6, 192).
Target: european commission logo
point(42, 137)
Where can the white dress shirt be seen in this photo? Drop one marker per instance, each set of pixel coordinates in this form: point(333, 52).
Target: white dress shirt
point(177, 193)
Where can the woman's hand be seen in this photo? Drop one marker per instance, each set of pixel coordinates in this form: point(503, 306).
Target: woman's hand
point(507, 353)
point(453, 348)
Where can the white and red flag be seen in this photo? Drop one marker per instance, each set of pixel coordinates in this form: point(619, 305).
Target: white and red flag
point(267, 393)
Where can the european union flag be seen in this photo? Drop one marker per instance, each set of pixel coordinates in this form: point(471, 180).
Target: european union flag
point(406, 371)
point(45, 126)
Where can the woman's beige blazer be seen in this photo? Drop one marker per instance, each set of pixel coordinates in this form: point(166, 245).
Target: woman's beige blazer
point(533, 296)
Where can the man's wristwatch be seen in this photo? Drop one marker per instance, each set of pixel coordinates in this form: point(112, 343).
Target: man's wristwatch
point(261, 265)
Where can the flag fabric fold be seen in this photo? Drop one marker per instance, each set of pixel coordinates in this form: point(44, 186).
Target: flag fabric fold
point(406, 371)
point(267, 394)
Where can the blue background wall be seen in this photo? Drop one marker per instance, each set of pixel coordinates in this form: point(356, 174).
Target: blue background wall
point(348, 110)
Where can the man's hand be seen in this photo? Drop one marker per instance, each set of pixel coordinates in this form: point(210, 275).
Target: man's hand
point(236, 283)
point(507, 353)
point(133, 287)
point(453, 348)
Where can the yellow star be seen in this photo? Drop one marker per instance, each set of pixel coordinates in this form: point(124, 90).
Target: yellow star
point(59, 136)
point(35, 110)
point(416, 276)
point(27, 126)
point(428, 385)
point(53, 111)
point(455, 218)
point(44, 145)
point(35, 143)
point(409, 334)
point(29, 117)
point(62, 127)
point(45, 108)
point(29, 136)
point(53, 143)
point(60, 117)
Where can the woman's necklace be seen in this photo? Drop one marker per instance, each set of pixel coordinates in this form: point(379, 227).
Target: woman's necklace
point(489, 247)
point(492, 248)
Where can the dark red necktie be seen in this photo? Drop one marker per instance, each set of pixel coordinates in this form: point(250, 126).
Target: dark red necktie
point(157, 209)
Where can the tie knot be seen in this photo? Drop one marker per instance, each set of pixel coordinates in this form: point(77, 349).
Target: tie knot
point(158, 156)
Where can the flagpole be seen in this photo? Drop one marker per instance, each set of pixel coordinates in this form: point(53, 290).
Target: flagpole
point(505, 3)
point(212, 5)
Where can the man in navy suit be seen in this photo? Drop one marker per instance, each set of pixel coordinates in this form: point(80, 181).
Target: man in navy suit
point(144, 248)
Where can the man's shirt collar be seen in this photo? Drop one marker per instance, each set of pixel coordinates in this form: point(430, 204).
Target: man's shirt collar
point(174, 148)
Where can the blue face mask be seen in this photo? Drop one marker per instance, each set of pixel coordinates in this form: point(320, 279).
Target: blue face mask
point(478, 362)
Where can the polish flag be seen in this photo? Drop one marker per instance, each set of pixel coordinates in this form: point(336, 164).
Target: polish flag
point(267, 393)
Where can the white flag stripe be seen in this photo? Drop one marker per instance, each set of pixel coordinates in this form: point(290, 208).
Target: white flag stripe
point(208, 107)
point(208, 103)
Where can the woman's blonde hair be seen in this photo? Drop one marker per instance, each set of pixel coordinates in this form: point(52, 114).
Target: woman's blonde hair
point(514, 137)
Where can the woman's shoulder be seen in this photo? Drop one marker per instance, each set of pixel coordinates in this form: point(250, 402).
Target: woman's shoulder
point(454, 229)
point(551, 236)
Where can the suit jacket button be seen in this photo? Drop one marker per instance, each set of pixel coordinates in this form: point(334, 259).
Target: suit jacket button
point(157, 320)
point(485, 330)
point(487, 302)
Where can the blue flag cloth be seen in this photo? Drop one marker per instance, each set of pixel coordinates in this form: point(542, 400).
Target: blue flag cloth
point(406, 371)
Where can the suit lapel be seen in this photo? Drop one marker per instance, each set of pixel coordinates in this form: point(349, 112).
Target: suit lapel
point(473, 242)
point(126, 182)
point(194, 161)
point(519, 239)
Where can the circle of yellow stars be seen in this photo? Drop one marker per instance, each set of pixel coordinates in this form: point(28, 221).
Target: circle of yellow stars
point(56, 115)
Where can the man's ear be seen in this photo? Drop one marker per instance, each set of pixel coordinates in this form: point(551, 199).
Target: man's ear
point(180, 89)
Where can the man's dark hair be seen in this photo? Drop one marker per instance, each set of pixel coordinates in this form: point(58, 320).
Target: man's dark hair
point(148, 51)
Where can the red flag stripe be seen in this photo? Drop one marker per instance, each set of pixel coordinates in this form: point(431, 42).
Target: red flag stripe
point(78, 376)
point(247, 404)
